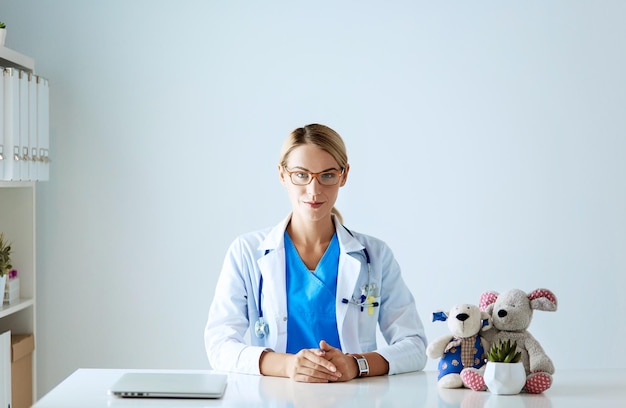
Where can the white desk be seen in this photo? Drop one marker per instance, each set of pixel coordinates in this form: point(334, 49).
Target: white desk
point(87, 388)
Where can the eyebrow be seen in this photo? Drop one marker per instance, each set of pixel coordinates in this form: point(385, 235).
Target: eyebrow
point(323, 171)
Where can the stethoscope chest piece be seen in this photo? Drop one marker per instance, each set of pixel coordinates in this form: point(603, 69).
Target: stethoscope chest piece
point(260, 328)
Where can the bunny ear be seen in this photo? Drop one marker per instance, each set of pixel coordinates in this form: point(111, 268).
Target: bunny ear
point(487, 299)
point(542, 299)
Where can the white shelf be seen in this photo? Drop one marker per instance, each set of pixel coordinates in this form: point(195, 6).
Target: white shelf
point(7, 309)
point(10, 58)
point(16, 184)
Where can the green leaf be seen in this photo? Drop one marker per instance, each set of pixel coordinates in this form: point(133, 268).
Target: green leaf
point(504, 352)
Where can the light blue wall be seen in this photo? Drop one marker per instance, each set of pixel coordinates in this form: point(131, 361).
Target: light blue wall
point(487, 143)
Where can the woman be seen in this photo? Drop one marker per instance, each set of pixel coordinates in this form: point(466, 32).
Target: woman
point(309, 291)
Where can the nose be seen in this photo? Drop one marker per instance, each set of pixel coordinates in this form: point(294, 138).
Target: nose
point(502, 313)
point(462, 316)
point(313, 187)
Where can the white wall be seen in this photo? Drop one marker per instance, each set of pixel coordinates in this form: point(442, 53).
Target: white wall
point(487, 145)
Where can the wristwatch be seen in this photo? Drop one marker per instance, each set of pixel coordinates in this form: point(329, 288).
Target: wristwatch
point(361, 362)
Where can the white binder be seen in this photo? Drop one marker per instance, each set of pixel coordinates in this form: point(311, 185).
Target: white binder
point(43, 128)
point(5, 369)
point(23, 143)
point(32, 127)
point(11, 149)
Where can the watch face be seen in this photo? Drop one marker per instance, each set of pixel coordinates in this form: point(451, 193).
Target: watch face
point(363, 364)
point(364, 368)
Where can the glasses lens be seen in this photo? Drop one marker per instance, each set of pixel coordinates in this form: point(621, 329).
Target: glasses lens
point(300, 178)
point(329, 179)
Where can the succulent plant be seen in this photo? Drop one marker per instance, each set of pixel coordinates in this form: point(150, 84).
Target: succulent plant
point(2, 25)
point(504, 352)
point(5, 255)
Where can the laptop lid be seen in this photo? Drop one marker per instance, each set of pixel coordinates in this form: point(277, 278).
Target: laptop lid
point(169, 385)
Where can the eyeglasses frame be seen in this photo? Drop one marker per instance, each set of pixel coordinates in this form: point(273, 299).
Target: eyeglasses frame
point(315, 176)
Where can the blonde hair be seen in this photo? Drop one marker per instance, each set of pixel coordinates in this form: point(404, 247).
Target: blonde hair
point(322, 137)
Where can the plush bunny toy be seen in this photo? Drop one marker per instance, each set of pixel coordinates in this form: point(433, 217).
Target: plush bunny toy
point(511, 313)
point(463, 348)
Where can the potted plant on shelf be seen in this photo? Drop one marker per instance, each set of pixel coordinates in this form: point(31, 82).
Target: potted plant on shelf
point(5, 263)
point(504, 373)
point(3, 33)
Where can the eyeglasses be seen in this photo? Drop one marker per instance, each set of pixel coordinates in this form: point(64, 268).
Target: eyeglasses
point(326, 178)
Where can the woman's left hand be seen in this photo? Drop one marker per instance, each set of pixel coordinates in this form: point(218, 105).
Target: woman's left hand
point(345, 363)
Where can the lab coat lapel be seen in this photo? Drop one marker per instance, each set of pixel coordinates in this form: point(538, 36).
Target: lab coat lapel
point(274, 301)
point(350, 265)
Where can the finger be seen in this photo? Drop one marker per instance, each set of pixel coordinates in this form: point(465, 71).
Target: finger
point(313, 363)
point(318, 358)
point(309, 374)
point(330, 353)
point(325, 346)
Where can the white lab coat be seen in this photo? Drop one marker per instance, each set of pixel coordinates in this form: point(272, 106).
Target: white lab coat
point(234, 310)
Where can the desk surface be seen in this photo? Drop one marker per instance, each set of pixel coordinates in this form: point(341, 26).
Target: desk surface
point(579, 388)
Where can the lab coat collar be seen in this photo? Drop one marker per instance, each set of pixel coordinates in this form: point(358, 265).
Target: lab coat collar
point(274, 239)
point(347, 241)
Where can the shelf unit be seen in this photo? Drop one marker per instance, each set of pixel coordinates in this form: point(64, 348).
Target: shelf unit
point(17, 222)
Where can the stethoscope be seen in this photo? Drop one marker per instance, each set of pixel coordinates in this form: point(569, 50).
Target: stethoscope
point(261, 328)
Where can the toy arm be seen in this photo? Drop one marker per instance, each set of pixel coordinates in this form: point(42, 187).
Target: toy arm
point(537, 358)
point(436, 348)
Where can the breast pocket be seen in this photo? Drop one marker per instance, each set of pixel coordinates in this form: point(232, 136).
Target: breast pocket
point(368, 319)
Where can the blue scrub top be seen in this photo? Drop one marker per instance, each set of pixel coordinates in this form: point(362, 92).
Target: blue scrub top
point(311, 298)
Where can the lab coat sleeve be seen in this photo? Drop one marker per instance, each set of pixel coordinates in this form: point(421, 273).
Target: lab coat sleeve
point(228, 318)
point(399, 321)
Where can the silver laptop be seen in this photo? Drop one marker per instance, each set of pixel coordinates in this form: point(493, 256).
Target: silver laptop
point(169, 385)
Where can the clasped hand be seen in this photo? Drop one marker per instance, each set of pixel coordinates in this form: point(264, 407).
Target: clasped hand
point(323, 364)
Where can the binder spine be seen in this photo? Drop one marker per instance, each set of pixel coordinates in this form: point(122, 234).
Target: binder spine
point(24, 125)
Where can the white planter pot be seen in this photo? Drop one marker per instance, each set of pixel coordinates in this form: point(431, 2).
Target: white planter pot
point(3, 282)
point(505, 378)
point(3, 35)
